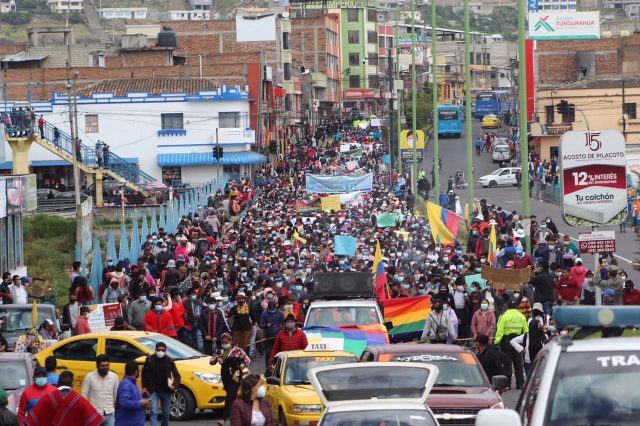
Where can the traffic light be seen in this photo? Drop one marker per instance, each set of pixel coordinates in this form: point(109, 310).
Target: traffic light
point(218, 152)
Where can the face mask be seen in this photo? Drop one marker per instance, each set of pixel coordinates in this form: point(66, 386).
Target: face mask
point(484, 306)
point(279, 284)
point(298, 288)
point(422, 291)
point(558, 274)
point(143, 299)
point(308, 270)
point(225, 345)
point(243, 274)
point(458, 252)
point(478, 270)
point(405, 286)
point(516, 295)
point(261, 392)
point(212, 306)
point(269, 296)
point(158, 308)
point(460, 267)
point(460, 288)
point(290, 326)
point(445, 306)
point(41, 382)
point(194, 297)
point(622, 277)
point(225, 299)
point(258, 293)
point(552, 328)
point(589, 280)
point(160, 354)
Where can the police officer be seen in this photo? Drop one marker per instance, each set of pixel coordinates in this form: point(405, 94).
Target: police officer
point(510, 325)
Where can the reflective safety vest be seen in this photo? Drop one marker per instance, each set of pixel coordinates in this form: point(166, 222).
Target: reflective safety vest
point(511, 323)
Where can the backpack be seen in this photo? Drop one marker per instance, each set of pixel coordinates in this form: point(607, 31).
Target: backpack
point(442, 332)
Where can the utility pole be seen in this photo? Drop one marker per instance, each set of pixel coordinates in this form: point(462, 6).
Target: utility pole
point(467, 111)
point(399, 105)
point(260, 90)
point(414, 99)
point(390, 85)
point(522, 121)
point(434, 72)
point(73, 131)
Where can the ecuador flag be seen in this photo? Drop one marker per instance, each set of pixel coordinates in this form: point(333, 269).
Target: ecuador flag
point(444, 224)
point(379, 274)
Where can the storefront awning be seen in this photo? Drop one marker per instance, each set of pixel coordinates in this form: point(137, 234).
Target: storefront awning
point(206, 159)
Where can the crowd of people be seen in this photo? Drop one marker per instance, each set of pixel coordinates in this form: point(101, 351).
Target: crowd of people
point(235, 278)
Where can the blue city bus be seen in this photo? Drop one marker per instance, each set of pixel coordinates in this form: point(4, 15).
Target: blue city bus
point(449, 120)
point(491, 102)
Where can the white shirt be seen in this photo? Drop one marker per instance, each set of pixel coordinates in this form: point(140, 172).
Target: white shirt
point(101, 392)
point(19, 294)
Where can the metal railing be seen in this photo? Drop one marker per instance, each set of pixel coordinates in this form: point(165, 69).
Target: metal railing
point(86, 155)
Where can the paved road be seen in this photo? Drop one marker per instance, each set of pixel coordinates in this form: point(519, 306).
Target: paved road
point(453, 155)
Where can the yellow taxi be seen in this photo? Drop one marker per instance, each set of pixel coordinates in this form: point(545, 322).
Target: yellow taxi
point(491, 120)
point(200, 386)
point(292, 398)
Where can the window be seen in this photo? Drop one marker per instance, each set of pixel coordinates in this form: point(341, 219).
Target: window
point(287, 71)
point(277, 371)
point(353, 37)
point(354, 81)
point(381, 42)
point(78, 350)
point(372, 15)
point(91, 123)
point(630, 110)
point(228, 119)
point(121, 351)
point(352, 15)
point(549, 111)
point(354, 59)
point(374, 81)
point(372, 37)
point(231, 168)
point(372, 59)
point(285, 41)
point(287, 103)
point(172, 121)
point(530, 394)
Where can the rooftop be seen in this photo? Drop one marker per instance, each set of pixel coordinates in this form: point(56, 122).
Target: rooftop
point(601, 82)
point(155, 86)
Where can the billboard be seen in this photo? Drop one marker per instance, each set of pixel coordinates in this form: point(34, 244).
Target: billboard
point(407, 141)
point(564, 25)
point(406, 40)
point(593, 176)
point(256, 28)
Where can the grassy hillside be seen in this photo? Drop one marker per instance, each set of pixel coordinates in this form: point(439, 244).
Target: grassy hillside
point(503, 20)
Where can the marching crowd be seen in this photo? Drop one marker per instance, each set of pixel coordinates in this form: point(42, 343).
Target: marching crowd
point(235, 278)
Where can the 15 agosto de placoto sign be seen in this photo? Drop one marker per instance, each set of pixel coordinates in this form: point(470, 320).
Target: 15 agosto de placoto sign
point(594, 183)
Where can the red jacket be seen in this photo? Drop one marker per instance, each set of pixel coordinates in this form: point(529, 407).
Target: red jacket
point(568, 289)
point(160, 323)
point(82, 326)
point(631, 297)
point(177, 315)
point(285, 342)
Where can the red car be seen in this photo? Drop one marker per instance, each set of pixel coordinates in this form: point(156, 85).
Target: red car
point(462, 388)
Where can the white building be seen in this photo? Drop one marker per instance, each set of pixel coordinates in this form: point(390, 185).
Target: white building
point(64, 6)
point(123, 13)
point(557, 4)
point(185, 15)
point(166, 126)
point(7, 6)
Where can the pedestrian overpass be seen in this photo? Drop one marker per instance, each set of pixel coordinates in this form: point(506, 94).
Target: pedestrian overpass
point(60, 144)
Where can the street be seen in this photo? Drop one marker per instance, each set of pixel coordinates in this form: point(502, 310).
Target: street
point(453, 156)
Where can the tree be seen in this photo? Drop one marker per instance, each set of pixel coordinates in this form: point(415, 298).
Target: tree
point(424, 108)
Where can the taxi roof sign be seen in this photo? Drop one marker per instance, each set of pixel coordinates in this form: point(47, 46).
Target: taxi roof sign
point(597, 316)
point(325, 345)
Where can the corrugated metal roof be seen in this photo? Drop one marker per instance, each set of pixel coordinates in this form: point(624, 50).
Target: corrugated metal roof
point(19, 57)
point(611, 82)
point(206, 158)
point(154, 86)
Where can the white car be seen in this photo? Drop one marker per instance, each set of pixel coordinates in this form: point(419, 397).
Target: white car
point(501, 153)
point(500, 177)
point(375, 393)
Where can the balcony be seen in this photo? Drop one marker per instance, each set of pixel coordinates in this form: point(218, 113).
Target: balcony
point(539, 129)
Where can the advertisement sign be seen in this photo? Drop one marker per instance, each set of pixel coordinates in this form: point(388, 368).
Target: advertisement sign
point(3, 197)
point(16, 194)
point(532, 5)
point(597, 242)
point(360, 93)
point(102, 317)
point(32, 193)
point(328, 184)
point(593, 175)
point(564, 25)
point(407, 140)
point(406, 40)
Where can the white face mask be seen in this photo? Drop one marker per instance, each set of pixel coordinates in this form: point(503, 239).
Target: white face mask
point(160, 354)
point(261, 392)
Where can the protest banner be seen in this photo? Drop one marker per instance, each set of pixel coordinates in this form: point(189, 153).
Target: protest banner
point(345, 245)
point(331, 202)
point(506, 279)
point(102, 316)
point(335, 184)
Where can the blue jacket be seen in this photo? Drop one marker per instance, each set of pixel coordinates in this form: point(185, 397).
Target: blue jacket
point(129, 412)
point(276, 319)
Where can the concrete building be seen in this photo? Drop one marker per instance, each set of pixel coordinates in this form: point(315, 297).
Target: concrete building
point(605, 102)
point(123, 13)
point(65, 6)
point(185, 15)
point(200, 4)
point(557, 4)
point(7, 6)
point(167, 127)
point(631, 8)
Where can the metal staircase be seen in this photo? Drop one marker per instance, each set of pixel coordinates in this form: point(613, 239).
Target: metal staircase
point(116, 167)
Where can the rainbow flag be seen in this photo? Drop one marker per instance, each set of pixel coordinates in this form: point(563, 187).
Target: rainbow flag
point(352, 338)
point(444, 224)
point(408, 315)
point(379, 274)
